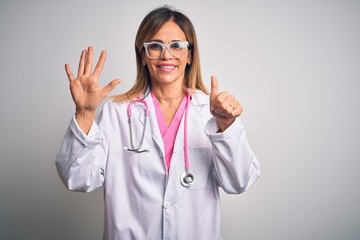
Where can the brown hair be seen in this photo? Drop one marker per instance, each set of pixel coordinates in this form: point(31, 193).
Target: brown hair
point(150, 25)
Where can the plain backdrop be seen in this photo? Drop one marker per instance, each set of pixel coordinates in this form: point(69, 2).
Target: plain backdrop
point(294, 65)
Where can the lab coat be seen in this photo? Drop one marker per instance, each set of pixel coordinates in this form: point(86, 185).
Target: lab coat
point(142, 199)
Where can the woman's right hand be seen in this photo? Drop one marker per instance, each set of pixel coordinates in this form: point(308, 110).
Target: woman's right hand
point(85, 89)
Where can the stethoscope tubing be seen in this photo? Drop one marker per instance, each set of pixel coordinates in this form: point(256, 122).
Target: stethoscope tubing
point(187, 178)
point(129, 111)
point(186, 152)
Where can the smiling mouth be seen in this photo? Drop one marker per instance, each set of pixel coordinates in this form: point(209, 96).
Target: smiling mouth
point(166, 66)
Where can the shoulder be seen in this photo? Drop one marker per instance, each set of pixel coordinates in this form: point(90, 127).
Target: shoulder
point(199, 98)
point(200, 104)
point(111, 105)
point(112, 109)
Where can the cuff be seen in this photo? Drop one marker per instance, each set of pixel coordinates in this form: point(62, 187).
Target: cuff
point(211, 129)
point(92, 139)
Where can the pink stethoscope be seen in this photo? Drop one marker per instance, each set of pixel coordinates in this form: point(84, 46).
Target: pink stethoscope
point(186, 178)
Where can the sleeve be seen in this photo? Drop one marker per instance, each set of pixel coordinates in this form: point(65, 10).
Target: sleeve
point(236, 166)
point(82, 158)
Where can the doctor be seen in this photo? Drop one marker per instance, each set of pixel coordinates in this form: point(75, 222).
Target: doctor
point(161, 150)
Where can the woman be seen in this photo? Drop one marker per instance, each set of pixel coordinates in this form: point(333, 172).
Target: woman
point(161, 150)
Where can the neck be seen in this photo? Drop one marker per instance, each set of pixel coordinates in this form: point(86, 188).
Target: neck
point(168, 103)
point(168, 94)
point(170, 98)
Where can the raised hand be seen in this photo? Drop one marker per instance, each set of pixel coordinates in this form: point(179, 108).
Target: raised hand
point(223, 106)
point(85, 89)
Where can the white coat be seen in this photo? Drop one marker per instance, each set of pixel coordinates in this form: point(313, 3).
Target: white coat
point(142, 200)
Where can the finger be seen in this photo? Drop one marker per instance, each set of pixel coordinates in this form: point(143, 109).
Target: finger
point(229, 100)
point(100, 64)
point(230, 113)
point(234, 109)
point(237, 111)
point(218, 101)
point(224, 100)
point(108, 88)
point(69, 73)
point(88, 64)
point(81, 63)
point(214, 88)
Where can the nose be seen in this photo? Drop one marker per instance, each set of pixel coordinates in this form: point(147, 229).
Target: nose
point(166, 54)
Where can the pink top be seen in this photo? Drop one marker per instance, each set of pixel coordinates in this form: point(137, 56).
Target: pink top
point(168, 133)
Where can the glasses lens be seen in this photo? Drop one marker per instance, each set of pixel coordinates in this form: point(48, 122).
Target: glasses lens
point(176, 49)
point(154, 50)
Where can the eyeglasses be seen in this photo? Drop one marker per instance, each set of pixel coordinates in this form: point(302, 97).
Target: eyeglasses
point(155, 50)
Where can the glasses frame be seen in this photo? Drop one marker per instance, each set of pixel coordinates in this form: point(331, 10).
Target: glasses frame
point(165, 46)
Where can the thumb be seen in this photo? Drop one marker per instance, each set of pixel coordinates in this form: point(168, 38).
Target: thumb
point(214, 88)
point(107, 89)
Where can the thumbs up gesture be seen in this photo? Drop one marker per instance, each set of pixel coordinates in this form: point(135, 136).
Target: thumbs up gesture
point(223, 106)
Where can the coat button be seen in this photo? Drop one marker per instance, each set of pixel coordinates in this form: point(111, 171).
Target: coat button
point(167, 205)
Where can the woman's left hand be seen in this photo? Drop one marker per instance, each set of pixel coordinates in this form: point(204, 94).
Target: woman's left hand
point(223, 106)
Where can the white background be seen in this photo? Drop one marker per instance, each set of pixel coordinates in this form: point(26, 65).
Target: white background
point(294, 65)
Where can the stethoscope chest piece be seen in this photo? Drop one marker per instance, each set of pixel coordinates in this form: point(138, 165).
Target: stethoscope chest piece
point(187, 179)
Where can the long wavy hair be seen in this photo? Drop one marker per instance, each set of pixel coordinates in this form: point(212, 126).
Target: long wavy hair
point(150, 25)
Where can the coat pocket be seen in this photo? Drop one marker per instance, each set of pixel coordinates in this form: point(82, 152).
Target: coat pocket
point(202, 167)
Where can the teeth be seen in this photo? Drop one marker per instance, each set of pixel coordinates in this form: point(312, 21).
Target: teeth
point(167, 67)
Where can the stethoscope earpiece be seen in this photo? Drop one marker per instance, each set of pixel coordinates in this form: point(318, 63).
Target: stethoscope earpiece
point(187, 179)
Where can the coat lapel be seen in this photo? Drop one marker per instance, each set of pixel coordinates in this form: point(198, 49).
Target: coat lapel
point(152, 127)
point(198, 102)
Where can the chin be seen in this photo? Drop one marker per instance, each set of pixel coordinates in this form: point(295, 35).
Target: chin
point(167, 79)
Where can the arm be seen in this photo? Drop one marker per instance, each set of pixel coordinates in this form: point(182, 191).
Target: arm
point(235, 164)
point(80, 162)
point(82, 158)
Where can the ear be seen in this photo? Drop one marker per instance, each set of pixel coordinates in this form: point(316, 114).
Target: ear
point(189, 60)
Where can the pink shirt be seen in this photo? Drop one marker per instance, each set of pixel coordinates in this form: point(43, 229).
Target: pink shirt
point(168, 133)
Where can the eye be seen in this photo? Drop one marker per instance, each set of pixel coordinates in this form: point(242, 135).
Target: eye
point(177, 45)
point(155, 46)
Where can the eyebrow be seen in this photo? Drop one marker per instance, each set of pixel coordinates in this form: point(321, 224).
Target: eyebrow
point(160, 41)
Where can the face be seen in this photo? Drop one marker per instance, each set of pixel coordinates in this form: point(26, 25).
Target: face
point(167, 70)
